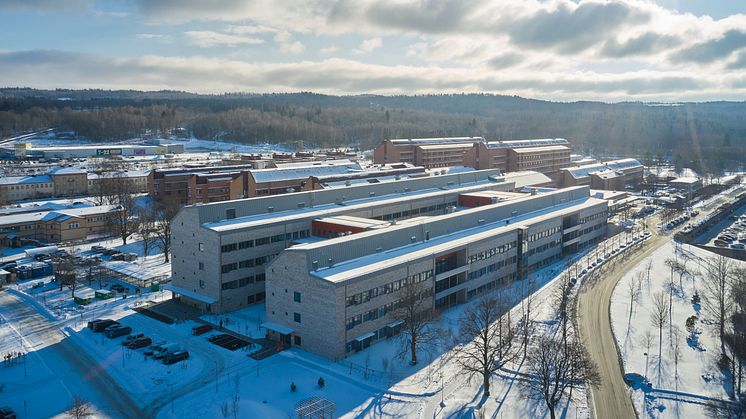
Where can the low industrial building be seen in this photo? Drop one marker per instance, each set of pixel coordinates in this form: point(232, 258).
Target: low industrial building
point(614, 175)
point(27, 150)
point(339, 295)
point(54, 226)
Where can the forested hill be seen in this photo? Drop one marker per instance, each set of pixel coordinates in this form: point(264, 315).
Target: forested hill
point(710, 136)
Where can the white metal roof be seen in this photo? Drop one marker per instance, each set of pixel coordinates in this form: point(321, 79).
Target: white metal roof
point(441, 140)
point(527, 143)
point(304, 172)
point(583, 171)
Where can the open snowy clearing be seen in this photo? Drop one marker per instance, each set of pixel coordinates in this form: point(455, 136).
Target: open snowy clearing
point(678, 389)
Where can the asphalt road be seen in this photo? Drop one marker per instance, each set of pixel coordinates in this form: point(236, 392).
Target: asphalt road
point(79, 373)
point(611, 398)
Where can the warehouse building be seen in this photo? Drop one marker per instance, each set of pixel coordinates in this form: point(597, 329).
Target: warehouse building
point(27, 150)
point(220, 250)
point(339, 295)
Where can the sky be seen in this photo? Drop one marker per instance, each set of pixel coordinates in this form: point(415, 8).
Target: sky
point(607, 50)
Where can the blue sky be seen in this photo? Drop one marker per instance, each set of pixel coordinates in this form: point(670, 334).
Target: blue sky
point(667, 50)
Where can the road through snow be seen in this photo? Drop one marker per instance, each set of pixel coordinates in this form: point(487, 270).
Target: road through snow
point(71, 366)
point(611, 398)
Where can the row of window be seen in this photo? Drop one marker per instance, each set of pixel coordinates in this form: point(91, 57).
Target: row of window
point(499, 282)
point(373, 314)
point(491, 268)
point(491, 252)
point(381, 333)
point(30, 186)
point(543, 247)
point(542, 234)
point(264, 241)
point(365, 296)
point(248, 263)
point(593, 217)
point(240, 283)
point(415, 211)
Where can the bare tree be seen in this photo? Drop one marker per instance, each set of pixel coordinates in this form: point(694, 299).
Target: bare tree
point(79, 409)
point(164, 215)
point(633, 290)
point(717, 299)
point(555, 368)
point(659, 319)
point(487, 337)
point(415, 310)
point(66, 273)
point(562, 301)
point(119, 192)
point(146, 229)
point(736, 337)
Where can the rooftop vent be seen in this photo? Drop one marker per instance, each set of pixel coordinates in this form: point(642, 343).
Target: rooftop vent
point(379, 249)
point(301, 204)
point(480, 221)
point(331, 262)
point(372, 194)
point(315, 265)
point(413, 239)
point(270, 209)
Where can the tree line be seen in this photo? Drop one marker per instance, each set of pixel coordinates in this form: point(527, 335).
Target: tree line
point(709, 137)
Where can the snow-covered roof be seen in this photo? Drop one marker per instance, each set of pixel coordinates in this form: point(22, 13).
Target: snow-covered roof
point(55, 215)
point(446, 146)
point(686, 179)
point(351, 221)
point(526, 150)
point(442, 140)
point(124, 173)
point(527, 178)
point(67, 171)
point(376, 262)
point(281, 329)
point(290, 173)
point(586, 170)
point(20, 180)
point(527, 143)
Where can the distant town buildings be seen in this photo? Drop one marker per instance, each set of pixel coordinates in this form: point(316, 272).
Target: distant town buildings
point(542, 155)
point(64, 182)
point(614, 175)
point(224, 183)
point(23, 150)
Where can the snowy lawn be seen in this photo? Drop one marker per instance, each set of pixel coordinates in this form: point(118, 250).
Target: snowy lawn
point(678, 389)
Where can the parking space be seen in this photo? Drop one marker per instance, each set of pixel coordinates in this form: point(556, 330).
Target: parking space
point(229, 342)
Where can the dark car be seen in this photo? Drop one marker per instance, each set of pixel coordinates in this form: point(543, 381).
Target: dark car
point(98, 326)
point(126, 341)
point(154, 347)
point(117, 330)
point(140, 343)
point(7, 413)
point(201, 329)
point(175, 357)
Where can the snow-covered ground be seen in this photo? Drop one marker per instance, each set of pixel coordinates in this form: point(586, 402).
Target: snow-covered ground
point(196, 144)
point(679, 389)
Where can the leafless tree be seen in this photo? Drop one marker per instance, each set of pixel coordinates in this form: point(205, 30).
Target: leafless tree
point(415, 310)
point(648, 268)
point(164, 215)
point(633, 290)
point(659, 319)
point(487, 339)
point(146, 229)
point(562, 301)
point(736, 337)
point(717, 298)
point(119, 192)
point(66, 272)
point(555, 368)
point(79, 409)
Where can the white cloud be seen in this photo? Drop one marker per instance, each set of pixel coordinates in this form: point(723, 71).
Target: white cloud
point(208, 39)
point(340, 76)
point(368, 46)
point(155, 36)
point(329, 50)
point(292, 47)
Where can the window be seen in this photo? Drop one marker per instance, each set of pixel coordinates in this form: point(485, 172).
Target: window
point(73, 225)
point(201, 266)
point(296, 317)
point(296, 297)
point(201, 283)
point(201, 247)
point(262, 241)
point(259, 277)
point(246, 244)
point(228, 248)
point(228, 267)
point(297, 340)
point(230, 213)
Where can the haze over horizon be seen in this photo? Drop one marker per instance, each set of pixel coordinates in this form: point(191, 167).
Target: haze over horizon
point(620, 50)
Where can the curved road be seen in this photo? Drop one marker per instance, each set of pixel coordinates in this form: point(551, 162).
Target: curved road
point(66, 361)
point(611, 398)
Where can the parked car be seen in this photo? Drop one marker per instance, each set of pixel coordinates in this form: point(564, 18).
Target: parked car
point(154, 347)
point(140, 343)
point(98, 249)
point(166, 350)
point(720, 243)
point(175, 357)
point(7, 413)
point(98, 325)
point(739, 246)
point(201, 329)
point(118, 288)
point(132, 337)
point(117, 331)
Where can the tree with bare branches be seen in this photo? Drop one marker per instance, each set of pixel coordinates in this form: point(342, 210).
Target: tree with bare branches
point(717, 298)
point(487, 339)
point(554, 368)
point(416, 312)
point(66, 272)
point(659, 319)
point(79, 409)
point(163, 216)
point(563, 302)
